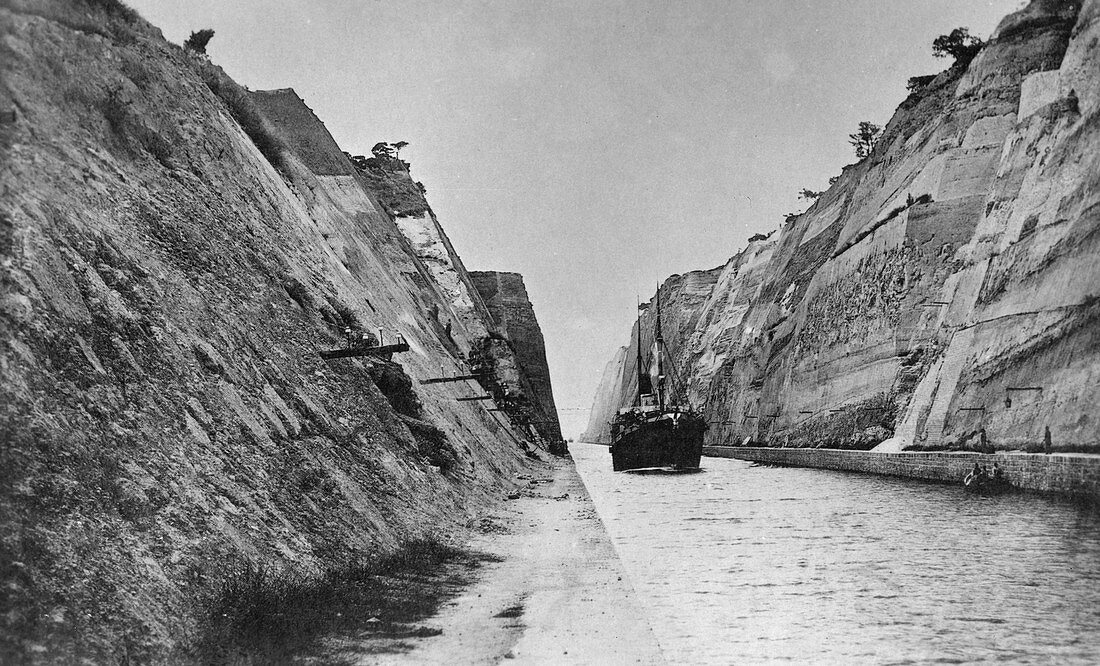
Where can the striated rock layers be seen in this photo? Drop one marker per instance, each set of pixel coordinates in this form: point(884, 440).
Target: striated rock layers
point(176, 253)
point(941, 294)
point(505, 296)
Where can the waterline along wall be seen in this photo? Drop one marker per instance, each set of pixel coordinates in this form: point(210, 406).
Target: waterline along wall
point(1068, 474)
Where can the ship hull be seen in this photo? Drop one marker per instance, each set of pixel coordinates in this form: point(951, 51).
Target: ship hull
point(672, 444)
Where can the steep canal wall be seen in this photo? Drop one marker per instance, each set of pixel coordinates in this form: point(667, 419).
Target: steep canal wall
point(1067, 473)
point(176, 254)
point(505, 297)
point(941, 293)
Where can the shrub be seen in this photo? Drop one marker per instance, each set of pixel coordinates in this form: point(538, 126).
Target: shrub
point(266, 615)
point(116, 108)
point(958, 44)
point(863, 140)
point(917, 83)
point(395, 384)
point(433, 444)
point(347, 316)
point(895, 212)
point(243, 110)
point(135, 70)
point(155, 144)
point(388, 179)
point(198, 40)
point(114, 8)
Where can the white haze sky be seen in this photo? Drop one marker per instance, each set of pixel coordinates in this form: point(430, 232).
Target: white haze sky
point(595, 147)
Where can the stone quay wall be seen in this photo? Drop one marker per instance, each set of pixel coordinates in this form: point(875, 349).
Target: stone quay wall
point(1073, 474)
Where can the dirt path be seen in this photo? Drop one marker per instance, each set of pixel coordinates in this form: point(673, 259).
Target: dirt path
point(558, 595)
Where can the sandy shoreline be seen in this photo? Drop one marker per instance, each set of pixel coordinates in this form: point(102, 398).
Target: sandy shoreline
point(558, 595)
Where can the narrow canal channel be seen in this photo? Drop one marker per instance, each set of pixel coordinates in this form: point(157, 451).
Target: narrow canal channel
point(748, 564)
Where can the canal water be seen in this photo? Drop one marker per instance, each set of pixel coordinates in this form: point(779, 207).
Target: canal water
point(747, 564)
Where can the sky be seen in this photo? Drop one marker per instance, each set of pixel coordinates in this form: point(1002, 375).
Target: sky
point(597, 146)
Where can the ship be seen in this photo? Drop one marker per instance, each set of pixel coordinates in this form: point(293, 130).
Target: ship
point(660, 431)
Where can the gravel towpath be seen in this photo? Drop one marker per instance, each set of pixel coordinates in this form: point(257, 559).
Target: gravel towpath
point(558, 595)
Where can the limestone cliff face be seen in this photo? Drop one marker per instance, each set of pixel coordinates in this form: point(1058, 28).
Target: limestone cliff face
point(165, 415)
point(505, 295)
point(507, 350)
point(607, 400)
point(945, 286)
point(455, 309)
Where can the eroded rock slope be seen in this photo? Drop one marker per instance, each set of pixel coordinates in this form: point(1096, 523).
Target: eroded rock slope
point(505, 296)
point(176, 253)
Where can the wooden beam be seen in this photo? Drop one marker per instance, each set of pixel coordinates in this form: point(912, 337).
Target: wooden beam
point(474, 397)
point(364, 351)
point(456, 378)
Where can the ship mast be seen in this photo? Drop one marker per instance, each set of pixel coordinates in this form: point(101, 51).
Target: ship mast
point(645, 386)
point(658, 344)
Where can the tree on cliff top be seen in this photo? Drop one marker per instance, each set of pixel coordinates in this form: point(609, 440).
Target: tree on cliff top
point(382, 150)
point(198, 40)
point(864, 138)
point(958, 44)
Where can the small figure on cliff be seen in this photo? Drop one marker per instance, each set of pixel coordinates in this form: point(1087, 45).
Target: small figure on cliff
point(983, 442)
point(1047, 446)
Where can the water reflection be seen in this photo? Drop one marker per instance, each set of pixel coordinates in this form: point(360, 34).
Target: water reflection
point(746, 564)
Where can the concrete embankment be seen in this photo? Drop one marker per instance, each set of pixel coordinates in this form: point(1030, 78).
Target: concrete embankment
point(1075, 474)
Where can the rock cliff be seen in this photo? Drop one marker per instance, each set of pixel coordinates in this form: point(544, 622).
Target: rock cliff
point(941, 294)
point(505, 295)
point(177, 252)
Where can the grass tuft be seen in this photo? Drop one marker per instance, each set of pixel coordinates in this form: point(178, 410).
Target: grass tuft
point(265, 615)
point(114, 8)
point(244, 111)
